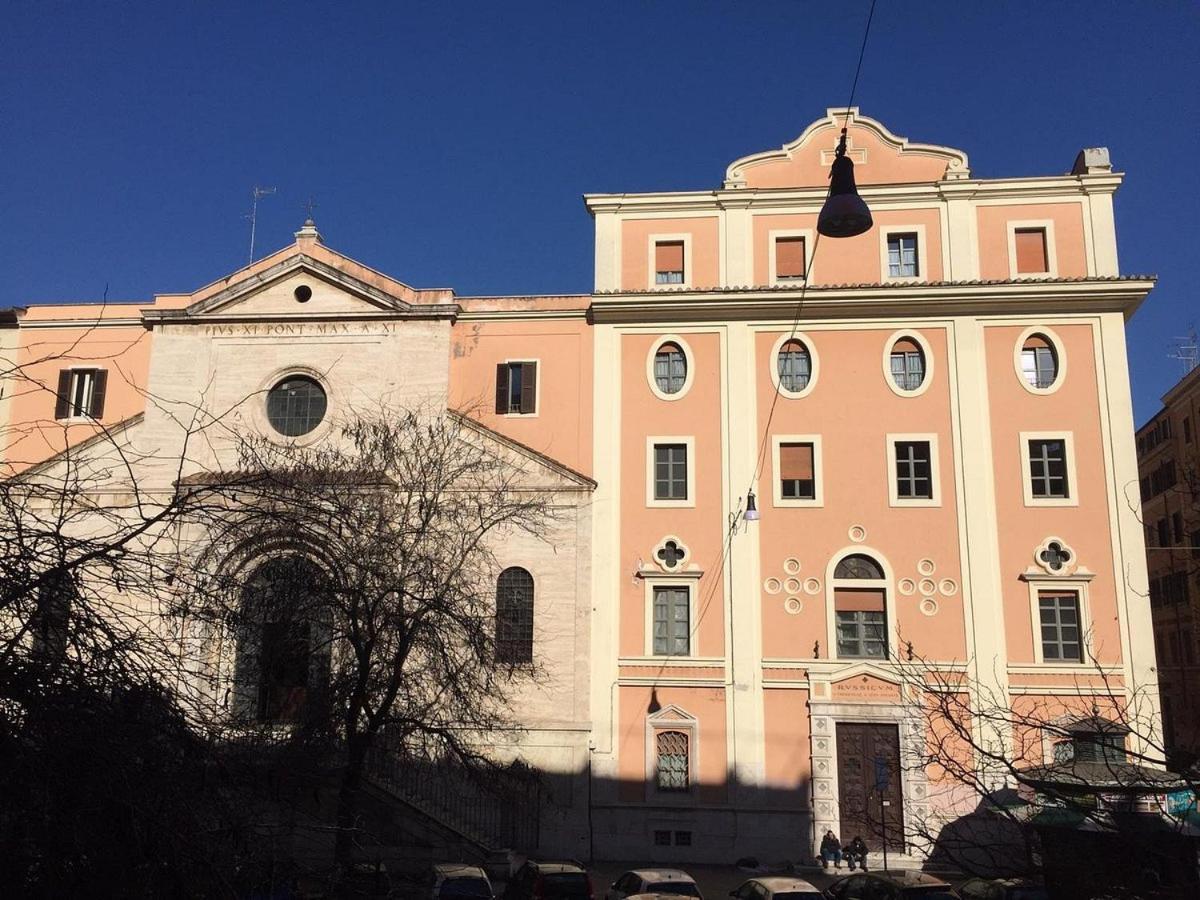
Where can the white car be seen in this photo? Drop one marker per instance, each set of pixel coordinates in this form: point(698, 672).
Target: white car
point(776, 887)
point(654, 881)
point(456, 881)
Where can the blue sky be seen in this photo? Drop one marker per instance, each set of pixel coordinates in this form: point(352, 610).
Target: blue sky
point(448, 144)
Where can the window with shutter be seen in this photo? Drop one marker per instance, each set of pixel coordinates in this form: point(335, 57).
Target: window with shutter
point(668, 262)
point(1030, 247)
point(797, 479)
point(907, 364)
point(789, 258)
point(81, 393)
point(516, 388)
point(1039, 362)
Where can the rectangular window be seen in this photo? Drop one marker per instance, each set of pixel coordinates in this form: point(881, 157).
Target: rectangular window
point(789, 258)
point(914, 475)
point(80, 393)
point(668, 262)
point(1059, 620)
point(673, 761)
point(1177, 527)
point(902, 256)
point(1030, 244)
point(797, 479)
point(683, 839)
point(861, 623)
point(672, 621)
point(662, 838)
point(1194, 541)
point(670, 472)
point(1164, 533)
point(1048, 468)
point(1187, 430)
point(516, 388)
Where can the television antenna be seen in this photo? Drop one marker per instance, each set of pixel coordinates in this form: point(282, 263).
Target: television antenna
point(256, 194)
point(1186, 349)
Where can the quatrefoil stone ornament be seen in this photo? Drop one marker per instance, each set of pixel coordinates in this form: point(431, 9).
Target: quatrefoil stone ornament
point(1055, 556)
point(671, 554)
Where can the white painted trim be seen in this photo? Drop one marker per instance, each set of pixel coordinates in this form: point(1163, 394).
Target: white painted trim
point(926, 351)
point(818, 471)
point(690, 442)
point(887, 231)
point(1060, 356)
point(681, 237)
point(689, 362)
point(887, 583)
point(814, 363)
point(656, 581)
point(1060, 585)
point(1068, 438)
point(772, 236)
point(537, 389)
point(935, 488)
point(1047, 225)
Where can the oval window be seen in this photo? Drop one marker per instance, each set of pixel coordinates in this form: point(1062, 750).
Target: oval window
point(1039, 362)
point(794, 366)
point(296, 405)
point(908, 364)
point(670, 368)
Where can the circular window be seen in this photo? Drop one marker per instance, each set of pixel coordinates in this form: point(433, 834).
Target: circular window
point(670, 368)
point(908, 364)
point(794, 365)
point(296, 405)
point(1039, 362)
point(303, 293)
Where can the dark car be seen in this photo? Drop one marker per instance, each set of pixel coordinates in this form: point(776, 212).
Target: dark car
point(1002, 889)
point(890, 886)
point(550, 880)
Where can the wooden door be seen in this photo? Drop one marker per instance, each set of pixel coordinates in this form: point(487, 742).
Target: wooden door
point(869, 798)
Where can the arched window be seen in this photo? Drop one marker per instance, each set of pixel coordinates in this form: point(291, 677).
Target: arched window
point(670, 368)
point(514, 616)
point(1039, 361)
point(860, 608)
point(672, 761)
point(282, 658)
point(794, 365)
point(908, 364)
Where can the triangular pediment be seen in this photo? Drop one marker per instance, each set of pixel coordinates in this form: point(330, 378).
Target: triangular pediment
point(879, 157)
point(672, 713)
point(865, 683)
point(539, 471)
point(298, 285)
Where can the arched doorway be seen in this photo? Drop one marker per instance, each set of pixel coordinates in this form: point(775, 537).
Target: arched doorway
point(282, 665)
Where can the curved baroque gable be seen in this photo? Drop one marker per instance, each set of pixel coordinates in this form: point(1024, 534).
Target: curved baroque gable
point(879, 156)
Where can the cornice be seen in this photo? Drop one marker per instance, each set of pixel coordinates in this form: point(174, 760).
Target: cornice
point(519, 315)
point(1092, 295)
point(1029, 189)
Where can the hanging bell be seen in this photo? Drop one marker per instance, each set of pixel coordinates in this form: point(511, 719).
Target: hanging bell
point(844, 214)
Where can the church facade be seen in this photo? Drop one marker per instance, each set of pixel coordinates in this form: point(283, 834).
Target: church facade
point(794, 470)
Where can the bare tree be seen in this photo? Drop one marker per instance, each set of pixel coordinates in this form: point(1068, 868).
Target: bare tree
point(993, 763)
point(344, 591)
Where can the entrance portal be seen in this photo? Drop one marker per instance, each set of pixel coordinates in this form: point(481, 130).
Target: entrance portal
point(870, 801)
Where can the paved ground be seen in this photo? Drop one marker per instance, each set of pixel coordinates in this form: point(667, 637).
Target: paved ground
point(715, 881)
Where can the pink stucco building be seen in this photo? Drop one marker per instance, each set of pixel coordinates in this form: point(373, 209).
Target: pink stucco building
point(934, 419)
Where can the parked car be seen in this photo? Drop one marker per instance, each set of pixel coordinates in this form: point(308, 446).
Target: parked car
point(550, 880)
point(1002, 889)
point(653, 881)
point(457, 881)
point(775, 887)
point(890, 886)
